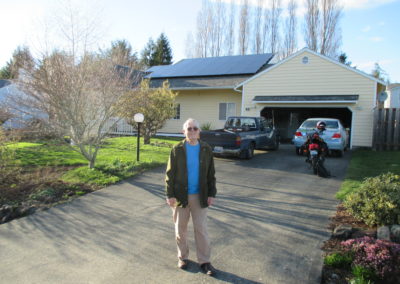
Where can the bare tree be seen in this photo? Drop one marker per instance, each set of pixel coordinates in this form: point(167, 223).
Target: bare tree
point(312, 24)
point(203, 32)
point(257, 41)
point(274, 38)
point(76, 99)
point(244, 24)
point(190, 46)
point(5, 113)
point(330, 34)
point(217, 13)
point(229, 42)
point(290, 41)
point(266, 30)
point(73, 91)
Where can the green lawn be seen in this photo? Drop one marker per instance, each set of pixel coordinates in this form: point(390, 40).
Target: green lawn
point(116, 159)
point(368, 163)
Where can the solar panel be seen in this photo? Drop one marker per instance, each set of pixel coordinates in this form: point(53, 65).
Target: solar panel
point(212, 66)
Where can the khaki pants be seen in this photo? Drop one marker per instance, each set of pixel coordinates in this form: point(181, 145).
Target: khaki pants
point(181, 218)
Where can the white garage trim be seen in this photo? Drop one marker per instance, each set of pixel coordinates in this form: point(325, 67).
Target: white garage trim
point(305, 102)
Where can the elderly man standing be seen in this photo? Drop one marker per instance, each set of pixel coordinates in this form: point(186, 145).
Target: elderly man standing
point(190, 189)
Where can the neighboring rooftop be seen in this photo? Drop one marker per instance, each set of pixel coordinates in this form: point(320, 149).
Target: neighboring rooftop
point(212, 66)
point(4, 83)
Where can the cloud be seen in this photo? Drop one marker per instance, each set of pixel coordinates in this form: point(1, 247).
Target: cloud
point(376, 39)
point(366, 29)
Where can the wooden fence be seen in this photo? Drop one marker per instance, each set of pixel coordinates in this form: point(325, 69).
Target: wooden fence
point(386, 129)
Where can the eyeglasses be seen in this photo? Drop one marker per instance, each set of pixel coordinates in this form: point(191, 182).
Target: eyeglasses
point(192, 129)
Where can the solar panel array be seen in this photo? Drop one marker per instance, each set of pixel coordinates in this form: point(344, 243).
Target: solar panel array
point(211, 66)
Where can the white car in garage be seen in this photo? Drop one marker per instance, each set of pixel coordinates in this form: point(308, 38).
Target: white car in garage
point(335, 135)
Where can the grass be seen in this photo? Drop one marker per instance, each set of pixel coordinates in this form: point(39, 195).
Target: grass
point(116, 159)
point(368, 163)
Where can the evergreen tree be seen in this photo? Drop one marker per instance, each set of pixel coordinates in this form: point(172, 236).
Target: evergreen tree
point(163, 52)
point(121, 53)
point(147, 54)
point(21, 59)
point(5, 72)
point(157, 53)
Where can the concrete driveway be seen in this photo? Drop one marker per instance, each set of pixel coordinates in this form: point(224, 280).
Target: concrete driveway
point(267, 227)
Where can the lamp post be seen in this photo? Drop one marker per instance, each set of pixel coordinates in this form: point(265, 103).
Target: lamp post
point(139, 117)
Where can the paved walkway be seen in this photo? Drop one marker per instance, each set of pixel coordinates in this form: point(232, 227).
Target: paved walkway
point(267, 227)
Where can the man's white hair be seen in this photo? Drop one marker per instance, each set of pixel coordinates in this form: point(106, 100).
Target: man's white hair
point(191, 120)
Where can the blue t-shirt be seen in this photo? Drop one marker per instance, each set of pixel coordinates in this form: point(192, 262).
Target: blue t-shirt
point(193, 166)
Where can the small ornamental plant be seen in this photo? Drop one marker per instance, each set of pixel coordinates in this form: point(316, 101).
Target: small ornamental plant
point(381, 256)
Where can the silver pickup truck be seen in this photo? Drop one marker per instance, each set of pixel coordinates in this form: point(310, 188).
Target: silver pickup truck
point(241, 135)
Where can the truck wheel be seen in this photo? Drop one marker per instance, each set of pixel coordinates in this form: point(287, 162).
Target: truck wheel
point(276, 143)
point(247, 153)
point(250, 151)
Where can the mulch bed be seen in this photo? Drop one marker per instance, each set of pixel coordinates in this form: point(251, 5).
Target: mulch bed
point(36, 189)
point(360, 229)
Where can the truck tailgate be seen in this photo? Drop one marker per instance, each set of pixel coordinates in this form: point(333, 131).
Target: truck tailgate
point(219, 138)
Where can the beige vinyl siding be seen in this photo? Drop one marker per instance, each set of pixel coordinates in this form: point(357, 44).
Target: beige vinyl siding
point(318, 77)
point(202, 105)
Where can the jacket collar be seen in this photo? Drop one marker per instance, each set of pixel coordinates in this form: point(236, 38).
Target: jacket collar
point(182, 143)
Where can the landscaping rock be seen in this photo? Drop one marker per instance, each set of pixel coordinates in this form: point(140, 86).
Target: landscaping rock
point(342, 231)
point(395, 231)
point(26, 210)
point(383, 233)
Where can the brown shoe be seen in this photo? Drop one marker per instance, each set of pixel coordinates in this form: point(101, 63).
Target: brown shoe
point(208, 269)
point(182, 263)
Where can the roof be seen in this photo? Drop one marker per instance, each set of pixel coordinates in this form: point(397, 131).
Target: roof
point(317, 54)
point(393, 86)
point(307, 99)
point(212, 66)
point(220, 82)
point(4, 83)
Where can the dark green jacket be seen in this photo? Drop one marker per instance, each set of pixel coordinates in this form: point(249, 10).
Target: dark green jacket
point(177, 178)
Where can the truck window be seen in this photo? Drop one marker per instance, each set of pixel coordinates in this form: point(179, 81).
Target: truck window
point(241, 124)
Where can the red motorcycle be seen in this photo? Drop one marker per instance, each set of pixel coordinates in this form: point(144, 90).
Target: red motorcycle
point(315, 149)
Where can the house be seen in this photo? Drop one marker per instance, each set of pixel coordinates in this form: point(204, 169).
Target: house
point(393, 96)
point(305, 84)
point(21, 116)
point(206, 86)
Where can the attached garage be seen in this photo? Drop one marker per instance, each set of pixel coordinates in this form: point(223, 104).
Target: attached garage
point(308, 84)
point(288, 119)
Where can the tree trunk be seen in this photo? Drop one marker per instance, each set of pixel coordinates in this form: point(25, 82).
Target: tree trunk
point(91, 163)
point(146, 138)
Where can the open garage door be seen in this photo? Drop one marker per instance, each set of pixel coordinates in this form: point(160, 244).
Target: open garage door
point(287, 119)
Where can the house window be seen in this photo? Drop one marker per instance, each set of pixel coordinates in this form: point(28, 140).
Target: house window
point(177, 111)
point(305, 60)
point(226, 110)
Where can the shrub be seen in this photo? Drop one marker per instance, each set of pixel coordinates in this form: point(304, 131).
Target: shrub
point(363, 274)
point(377, 201)
point(206, 126)
point(339, 260)
point(380, 256)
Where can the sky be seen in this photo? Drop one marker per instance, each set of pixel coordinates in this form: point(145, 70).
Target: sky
point(370, 28)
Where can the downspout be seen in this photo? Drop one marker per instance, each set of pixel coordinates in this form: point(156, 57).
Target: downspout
point(241, 92)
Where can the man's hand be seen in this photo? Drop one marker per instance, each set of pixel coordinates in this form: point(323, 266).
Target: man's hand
point(171, 201)
point(210, 201)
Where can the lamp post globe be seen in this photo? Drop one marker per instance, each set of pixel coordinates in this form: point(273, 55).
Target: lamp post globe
point(139, 117)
